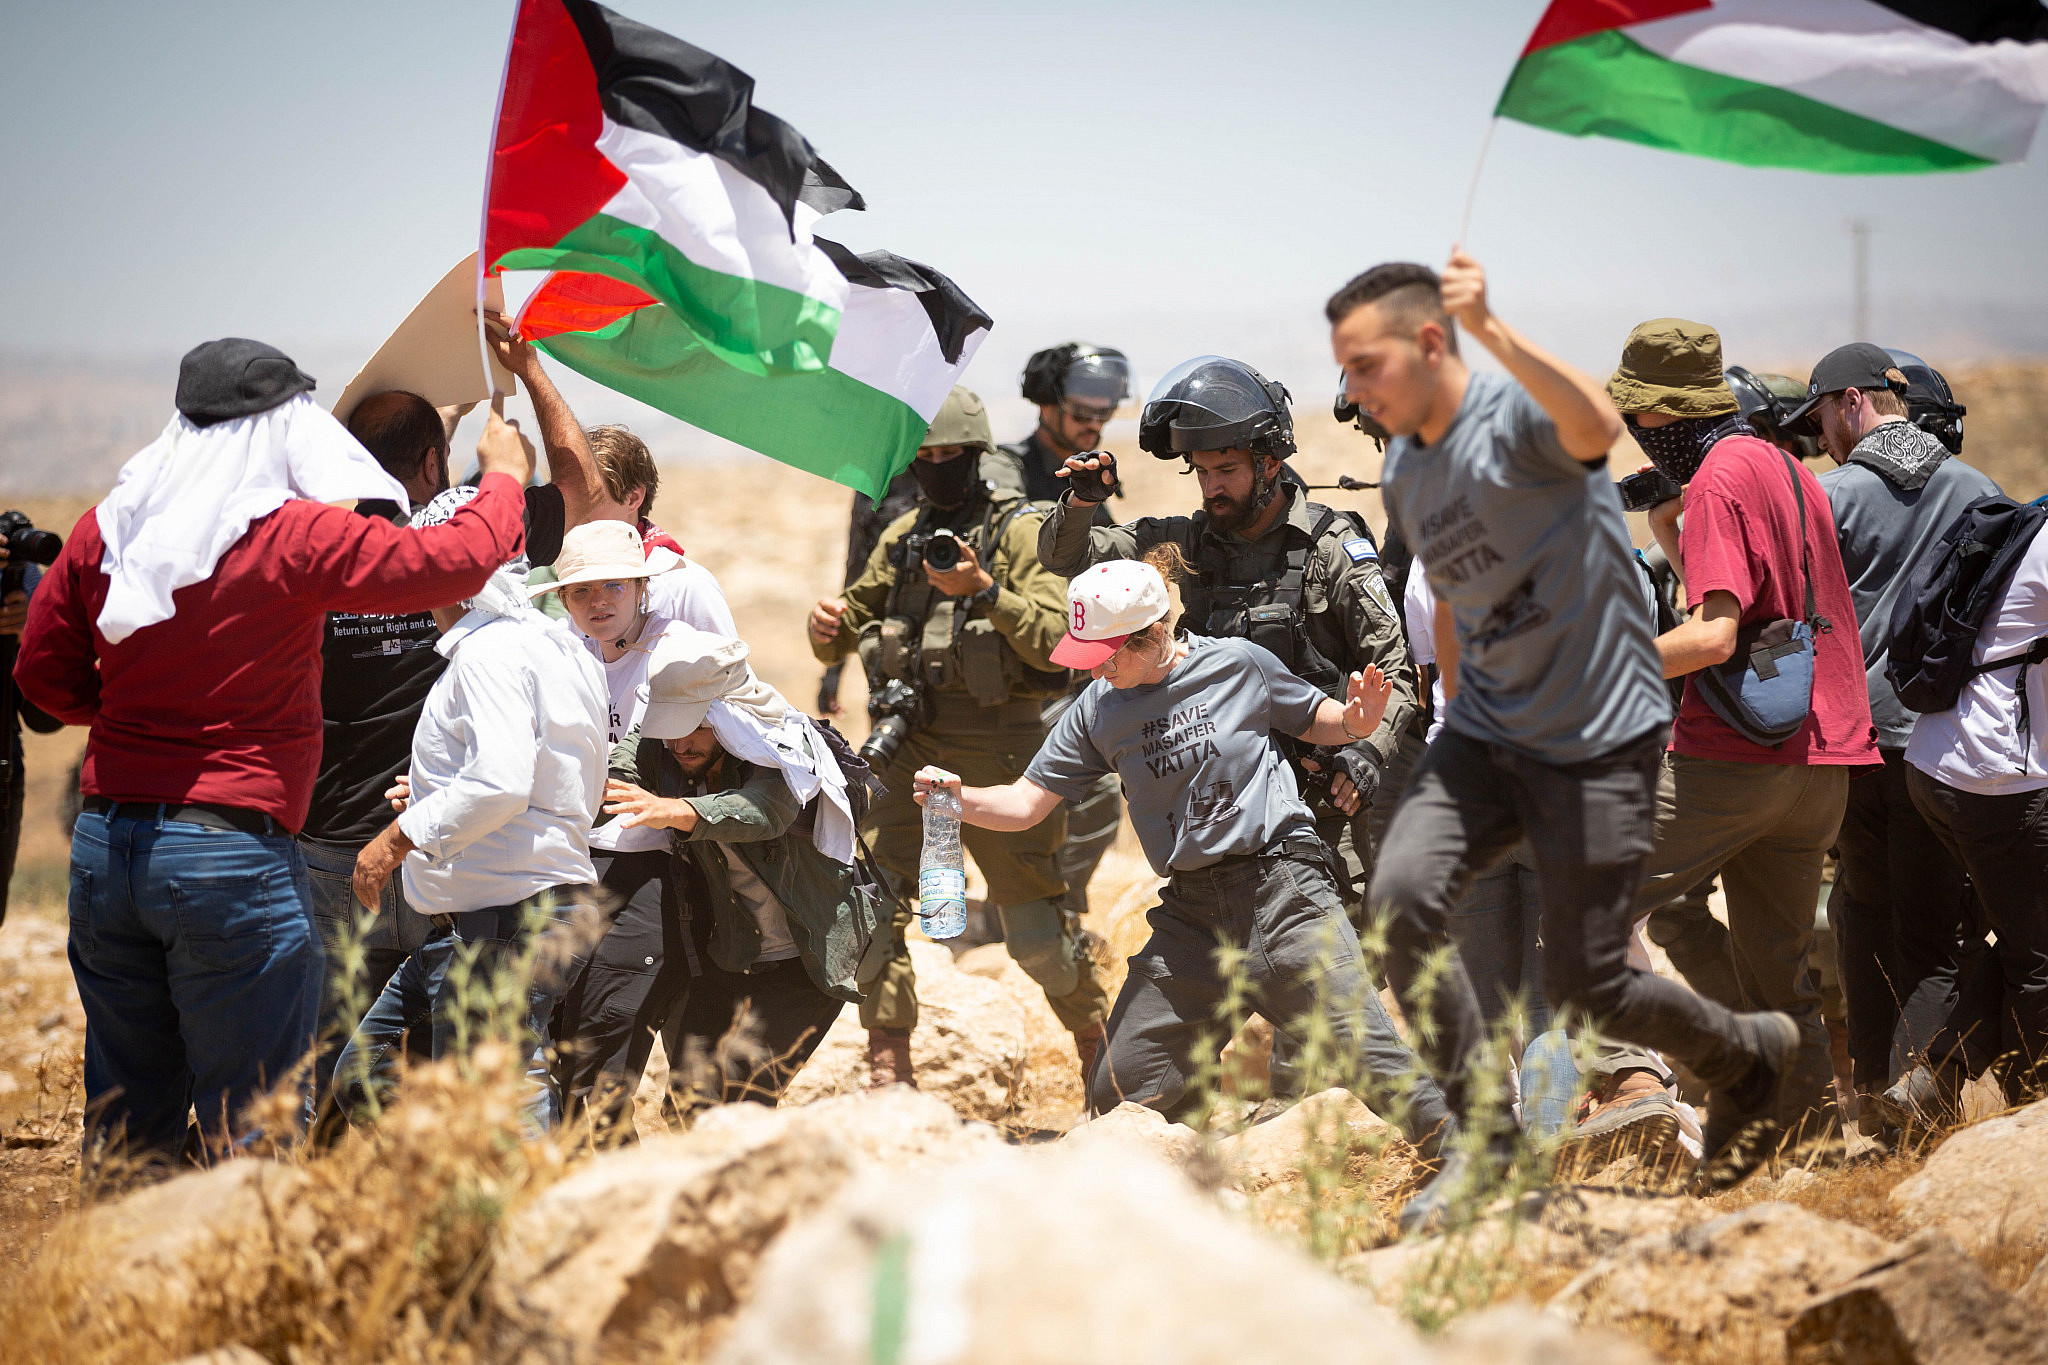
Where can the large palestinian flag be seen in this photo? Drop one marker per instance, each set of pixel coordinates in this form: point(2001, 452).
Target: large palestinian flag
point(1853, 86)
point(678, 217)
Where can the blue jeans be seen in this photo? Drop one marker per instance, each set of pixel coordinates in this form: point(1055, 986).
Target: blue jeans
point(199, 970)
point(488, 944)
point(403, 1013)
point(384, 940)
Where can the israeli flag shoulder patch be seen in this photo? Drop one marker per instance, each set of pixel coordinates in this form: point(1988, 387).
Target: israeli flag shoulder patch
point(1360, 550)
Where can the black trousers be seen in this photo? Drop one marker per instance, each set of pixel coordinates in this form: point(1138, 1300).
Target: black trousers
point(606, 1021)
point(2001, 1008)
point(742, 1035)
point(1589, 828)
point(1900, 910)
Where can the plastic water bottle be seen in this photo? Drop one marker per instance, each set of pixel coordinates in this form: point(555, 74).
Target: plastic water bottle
point(941, 876)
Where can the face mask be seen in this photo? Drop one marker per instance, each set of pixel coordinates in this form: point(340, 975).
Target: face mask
point(1677, 448)
point(946, 484)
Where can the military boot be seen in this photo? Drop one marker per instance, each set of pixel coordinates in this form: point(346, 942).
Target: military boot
point(889, 1058)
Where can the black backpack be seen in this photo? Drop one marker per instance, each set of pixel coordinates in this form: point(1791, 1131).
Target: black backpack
point(1935, 622)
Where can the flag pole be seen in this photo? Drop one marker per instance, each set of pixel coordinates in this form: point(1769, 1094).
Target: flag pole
point(1472, 189)
point(483, 349)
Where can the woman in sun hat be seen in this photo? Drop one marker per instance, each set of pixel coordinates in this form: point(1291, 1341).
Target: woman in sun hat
point(613, 588)
point(1187, 725)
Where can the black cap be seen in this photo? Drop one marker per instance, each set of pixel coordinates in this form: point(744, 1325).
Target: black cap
point(1859, 365)
point(219, 381)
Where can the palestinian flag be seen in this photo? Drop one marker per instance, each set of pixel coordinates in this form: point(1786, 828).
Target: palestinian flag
point(906, 334)
point(1850, 86)
point(621, 151)
point(677, 218)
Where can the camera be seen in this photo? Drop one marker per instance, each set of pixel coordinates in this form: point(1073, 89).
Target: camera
point(25, 544)
point(938, 550)
point(1641, 492)
point(893, 713)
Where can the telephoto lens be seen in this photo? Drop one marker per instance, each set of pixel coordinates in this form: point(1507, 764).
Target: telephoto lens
point(893, 713)
point(25, 543)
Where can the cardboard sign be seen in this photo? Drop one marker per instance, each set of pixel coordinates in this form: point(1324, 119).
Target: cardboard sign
point(434, 351)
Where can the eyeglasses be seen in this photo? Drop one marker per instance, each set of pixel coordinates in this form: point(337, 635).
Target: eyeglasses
point(1092, 416)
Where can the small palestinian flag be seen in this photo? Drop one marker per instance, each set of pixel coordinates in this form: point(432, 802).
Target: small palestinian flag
point(678, 216)
point(905, 336)
point(1850, 86)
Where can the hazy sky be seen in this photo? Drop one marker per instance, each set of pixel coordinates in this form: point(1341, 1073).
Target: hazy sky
point(1172, 178)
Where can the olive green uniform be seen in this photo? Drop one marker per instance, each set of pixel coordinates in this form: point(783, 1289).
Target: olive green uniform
point(1347, 617)
point(987, 669)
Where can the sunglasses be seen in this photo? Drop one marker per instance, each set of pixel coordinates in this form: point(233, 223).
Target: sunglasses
point(1094, 416)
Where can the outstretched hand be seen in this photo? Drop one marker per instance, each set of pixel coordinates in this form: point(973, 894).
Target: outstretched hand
point(1091, 475)
point(1366, 701)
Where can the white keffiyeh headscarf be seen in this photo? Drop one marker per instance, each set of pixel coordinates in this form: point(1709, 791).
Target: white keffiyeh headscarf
point(187, 497)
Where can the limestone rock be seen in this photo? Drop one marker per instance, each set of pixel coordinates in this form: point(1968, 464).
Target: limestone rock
point(1744, 1273)
point(895, 1126)
point(2033, 1295)
point(1927, 1304)
point(1146, 1130)
point(1067, 1253)
point(656, 1238)
point(1332, 1128)
point(1049, 1094)
point(224, 1355)
point(195, 1240)
point(1517, 1334)
point(968, 1048)
point(1986, 1184)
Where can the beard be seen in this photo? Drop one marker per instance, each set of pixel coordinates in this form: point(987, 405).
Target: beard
point(1227, 514)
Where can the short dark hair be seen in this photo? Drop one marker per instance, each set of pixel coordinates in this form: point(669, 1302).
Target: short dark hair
point(400, 429)
point(1409, 295)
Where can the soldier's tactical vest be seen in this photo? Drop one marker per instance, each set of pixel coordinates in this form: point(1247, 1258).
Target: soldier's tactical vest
point(1272, 611)
point(926, 638)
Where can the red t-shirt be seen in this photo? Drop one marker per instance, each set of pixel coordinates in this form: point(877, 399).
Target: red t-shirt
point(221, 703)
point(1738, 538)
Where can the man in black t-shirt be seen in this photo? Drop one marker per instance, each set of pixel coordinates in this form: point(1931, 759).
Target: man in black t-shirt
point(377, 672)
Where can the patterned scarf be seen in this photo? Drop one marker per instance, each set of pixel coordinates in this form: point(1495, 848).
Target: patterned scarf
point(1904, 454)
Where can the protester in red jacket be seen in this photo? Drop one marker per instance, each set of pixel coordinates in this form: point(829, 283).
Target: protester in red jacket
point(182, 622)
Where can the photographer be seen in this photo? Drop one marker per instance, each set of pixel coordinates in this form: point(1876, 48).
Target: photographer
point(182, 622)
point(958, 617)
point(23, 552)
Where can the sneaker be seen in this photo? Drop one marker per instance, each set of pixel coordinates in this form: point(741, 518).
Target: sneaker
point(1925, 1098)
point(1743, 1131)
point(1643, 1125)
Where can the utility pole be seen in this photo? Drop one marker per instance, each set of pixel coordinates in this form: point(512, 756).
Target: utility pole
point(1859, 236)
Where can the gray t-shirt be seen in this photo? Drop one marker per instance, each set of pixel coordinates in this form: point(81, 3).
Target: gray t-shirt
point(1528, 548)
point(1204, 779)
point(1886, 532)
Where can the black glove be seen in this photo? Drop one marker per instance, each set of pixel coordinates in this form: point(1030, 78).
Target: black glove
point(1093, 485)
point(1364, 768)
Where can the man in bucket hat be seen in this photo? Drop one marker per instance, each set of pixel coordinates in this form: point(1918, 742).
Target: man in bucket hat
point(1755, 533)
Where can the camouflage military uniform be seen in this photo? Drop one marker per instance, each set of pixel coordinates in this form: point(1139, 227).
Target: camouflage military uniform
point(987, 670)
point(1024, 469)
point(864, 528)
point(1326, 564)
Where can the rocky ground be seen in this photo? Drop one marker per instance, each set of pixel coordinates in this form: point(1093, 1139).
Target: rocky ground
point(975, 1219)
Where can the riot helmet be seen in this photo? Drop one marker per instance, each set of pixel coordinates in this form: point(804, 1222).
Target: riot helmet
point(1764, 400)
point(1346, 411)
point(1213, 403)
point(1076, 369)
point(1930, 405)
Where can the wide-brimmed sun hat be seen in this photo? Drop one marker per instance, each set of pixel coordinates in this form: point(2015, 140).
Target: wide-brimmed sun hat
point(602, 552)
point(1672, 366)
point(687, 673)
point(1107, 605)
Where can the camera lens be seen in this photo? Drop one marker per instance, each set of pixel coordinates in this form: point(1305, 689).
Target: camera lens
point(884, 741)
point(943, 553)
point(41, 547)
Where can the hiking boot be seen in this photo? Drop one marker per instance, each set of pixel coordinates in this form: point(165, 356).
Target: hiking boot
point(1925, 1098)
point(889, 1058)
point(1643, 1125)
point(1745, 1124)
